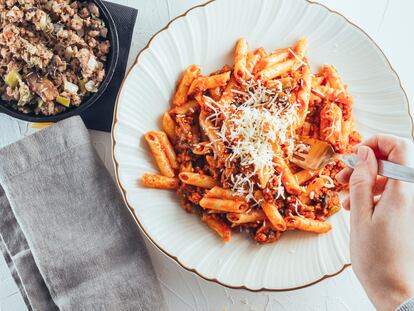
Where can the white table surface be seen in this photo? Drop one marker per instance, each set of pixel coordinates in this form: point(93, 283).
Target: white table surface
point(389, 23)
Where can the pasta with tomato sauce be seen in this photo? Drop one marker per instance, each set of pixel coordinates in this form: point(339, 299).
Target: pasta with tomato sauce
point(227, 143)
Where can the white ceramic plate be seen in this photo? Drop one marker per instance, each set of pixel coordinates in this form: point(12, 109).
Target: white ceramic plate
point(206, 35)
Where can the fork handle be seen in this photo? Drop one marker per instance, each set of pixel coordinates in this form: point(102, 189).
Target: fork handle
point(385, 168)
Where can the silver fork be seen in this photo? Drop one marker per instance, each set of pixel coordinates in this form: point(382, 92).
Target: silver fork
point(321, 153)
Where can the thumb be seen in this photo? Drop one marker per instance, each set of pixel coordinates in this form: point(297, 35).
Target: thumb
point(361, 185)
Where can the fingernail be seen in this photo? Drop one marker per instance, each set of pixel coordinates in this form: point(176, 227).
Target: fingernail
point(362, 154)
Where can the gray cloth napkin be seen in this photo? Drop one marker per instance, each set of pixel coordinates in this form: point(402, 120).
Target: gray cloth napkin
point(67, 237)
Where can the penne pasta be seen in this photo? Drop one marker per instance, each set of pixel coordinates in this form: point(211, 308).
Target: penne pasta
point(213, 211)
point(197, 180)
point(187, 108)
point(304, 94)
point(332, 76)
point(240, 60)
point(168, 125)
point(264, 176)
point(275, 70)
point(195, 134)
point(159, 181)
point(331, 125)
point(313, 190)
point(218, 192)
point(181, 94)
point(307, 224)
point(345, 132)
point(274, 216)
point(253, 58)
point(215, 93)
point(201, 84)
point(228, 93)
point(300, 48)
point(331, 94)
point(305, 175)
point(314, 100)
point(254, 216)
point(210, 131)
point(316, 80)
point(271, 212)
point(168, 149)
point(202, 148)
point(206, 103)
point(288, 179)
point(333, 204)
point(223, 69)
point(272, 59)
point(159, 153)
point(208, 128)
point(186, 167)
point(230, 206)
point(218, 226)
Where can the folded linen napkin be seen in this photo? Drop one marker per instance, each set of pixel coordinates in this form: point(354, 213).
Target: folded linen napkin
point(67, 237)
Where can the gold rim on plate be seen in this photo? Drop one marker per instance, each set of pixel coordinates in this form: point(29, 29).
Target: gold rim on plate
point(123, 190)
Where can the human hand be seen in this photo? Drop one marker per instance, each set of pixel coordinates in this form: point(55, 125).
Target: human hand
point(382, 222)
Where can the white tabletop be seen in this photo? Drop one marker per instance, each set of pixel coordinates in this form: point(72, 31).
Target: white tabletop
point(389, 23)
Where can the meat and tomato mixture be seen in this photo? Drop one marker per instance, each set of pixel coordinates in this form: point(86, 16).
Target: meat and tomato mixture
point(52, 54)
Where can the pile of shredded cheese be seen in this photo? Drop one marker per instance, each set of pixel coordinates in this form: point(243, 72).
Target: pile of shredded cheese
point(250, 126)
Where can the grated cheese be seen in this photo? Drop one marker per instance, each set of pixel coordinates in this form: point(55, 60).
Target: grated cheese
point(331, 128)
point(255, 120)
point(330, 183)
point(239, 92)
point(280, 188)
point(312, 195)
point(301, 62)
point(318, 93)
point(301, 147)
point(297, 204)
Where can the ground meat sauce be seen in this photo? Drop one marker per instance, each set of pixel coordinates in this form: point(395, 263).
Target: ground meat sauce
point(52, 54)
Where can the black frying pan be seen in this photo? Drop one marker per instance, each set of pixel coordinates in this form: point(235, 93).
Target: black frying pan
point(93, 98)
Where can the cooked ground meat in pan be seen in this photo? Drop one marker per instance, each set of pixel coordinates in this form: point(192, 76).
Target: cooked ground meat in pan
point(52, 54)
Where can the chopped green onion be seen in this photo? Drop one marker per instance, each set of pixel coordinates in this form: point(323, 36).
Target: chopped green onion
point(40, 102)
point(12, 78)
point(63, 101)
